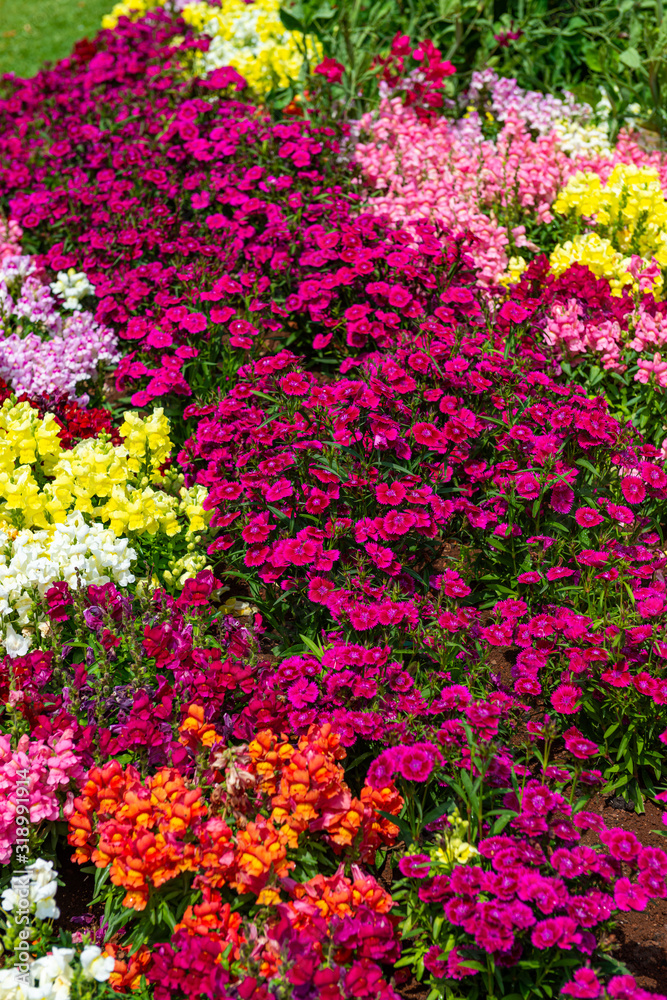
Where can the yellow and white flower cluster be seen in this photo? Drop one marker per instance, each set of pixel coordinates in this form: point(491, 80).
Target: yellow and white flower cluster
point(453, 848)
point(40, 485)
point(250, 37)
point(626, 216)
point(80, 515)
point(578, 138)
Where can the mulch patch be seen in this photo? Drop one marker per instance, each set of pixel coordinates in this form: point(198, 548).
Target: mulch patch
point(73, 899)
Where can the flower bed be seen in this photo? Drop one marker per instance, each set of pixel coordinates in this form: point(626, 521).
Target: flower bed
point(321, 647)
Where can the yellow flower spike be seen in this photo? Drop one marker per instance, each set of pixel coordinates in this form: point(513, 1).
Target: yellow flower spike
point(146, 439)
point(630, 210)
point(515, 268)
point(104, 482)
point(191, 505)
point(453, 849)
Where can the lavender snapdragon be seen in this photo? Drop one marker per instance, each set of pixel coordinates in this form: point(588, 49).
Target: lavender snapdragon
point(41, 350)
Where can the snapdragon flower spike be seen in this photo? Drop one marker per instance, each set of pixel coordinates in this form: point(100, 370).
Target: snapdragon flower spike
point(352, 915)
point(582, 321)
point(42, 350)
point(47, 766)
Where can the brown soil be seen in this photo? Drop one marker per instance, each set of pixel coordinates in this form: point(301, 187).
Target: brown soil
point(75, 895)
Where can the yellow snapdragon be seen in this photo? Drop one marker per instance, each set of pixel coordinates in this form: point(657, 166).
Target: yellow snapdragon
point(26, 504)
point(134, 9)
point(145, 511)
point(27, 437)
point(629, 214)
point(631, 205)
point(597, 254)
point(192, 501)
point(91, 470)
point(454, 848)
point(41, 485)
point(515, 268)
point(147, 440)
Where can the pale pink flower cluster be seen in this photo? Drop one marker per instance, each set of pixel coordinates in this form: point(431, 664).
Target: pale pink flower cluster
point(50, 765)
point(451, 173)
point(540, 111)
point(654, 369)
point(649, 331)
point(43, 350)
point(10, 236)
point(567, 329)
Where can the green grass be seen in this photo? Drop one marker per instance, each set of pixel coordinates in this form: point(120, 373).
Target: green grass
point(33, 32)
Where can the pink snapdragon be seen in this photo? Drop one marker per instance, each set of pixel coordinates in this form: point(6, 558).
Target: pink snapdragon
point(51, 766)
point(655, 369)
point(10, 236)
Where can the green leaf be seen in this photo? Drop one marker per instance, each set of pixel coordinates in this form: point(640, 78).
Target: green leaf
point(585, 464)
point(439, 811)
point(406, 832)
point(313, 647)
point(290, 22)
point(592, 59)
point(324, 12)
point(467, 784)
point(631, 58)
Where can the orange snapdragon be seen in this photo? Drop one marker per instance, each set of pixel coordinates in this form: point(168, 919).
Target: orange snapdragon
point(140, 828)
point(309, 792)
point(128, 970)
point(337, 896)
point(261, 850)
point(214, 919)
point(194, 732)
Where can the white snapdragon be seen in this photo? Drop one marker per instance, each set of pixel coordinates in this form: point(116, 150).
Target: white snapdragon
point(578, 138)
point(72, 551)
point(52, 975)
point(72, 286)
point(42, 891)
point(95, 964)
point(12, 986)
point(15, 644)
